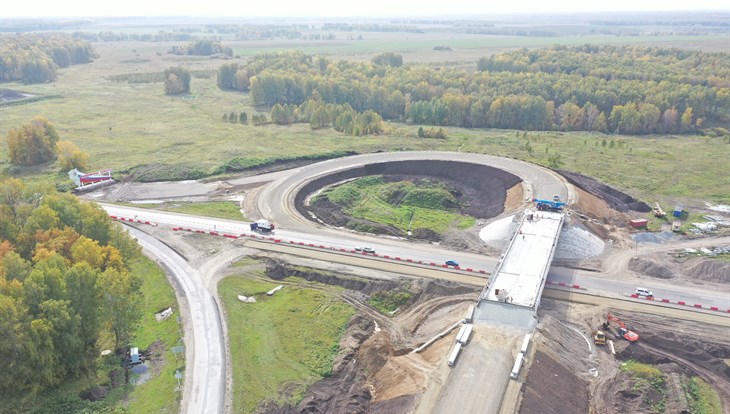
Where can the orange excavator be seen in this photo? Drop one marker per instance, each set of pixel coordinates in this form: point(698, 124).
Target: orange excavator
point(623, 331)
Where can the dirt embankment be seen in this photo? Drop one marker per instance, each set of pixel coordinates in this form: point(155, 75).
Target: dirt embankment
point(481, 190)
point(615, 199)
point(680, 354)
point(664, 266)
point(373, 372)
point(542, 396)
point(569, 374)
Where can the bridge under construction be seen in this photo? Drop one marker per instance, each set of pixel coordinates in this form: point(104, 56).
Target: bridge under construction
point(518, 279)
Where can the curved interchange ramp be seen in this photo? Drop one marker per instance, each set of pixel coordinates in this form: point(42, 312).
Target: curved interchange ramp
point(538, 182)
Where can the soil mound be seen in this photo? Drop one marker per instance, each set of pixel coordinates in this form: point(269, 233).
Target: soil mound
point(10, 95)
point(663, 266)
point(651, 267)
point(707, 269)
point(614, 198)
point(278, 271)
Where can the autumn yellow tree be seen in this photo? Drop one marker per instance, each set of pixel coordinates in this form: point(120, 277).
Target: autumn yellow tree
point(33, 143)
point(70, 156)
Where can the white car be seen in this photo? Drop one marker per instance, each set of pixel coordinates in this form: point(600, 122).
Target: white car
point(644, 292)
point(365, 249)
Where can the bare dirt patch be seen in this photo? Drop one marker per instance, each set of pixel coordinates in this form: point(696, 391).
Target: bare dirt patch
point(11, 95)
point(571, 378)
point(615, 199)
point(515, 198)
point(541, 396)
point(664, 266)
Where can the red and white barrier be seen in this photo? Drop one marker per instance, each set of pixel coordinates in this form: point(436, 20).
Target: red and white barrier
point(133, 220)
point(320, 246)
point(681, 303)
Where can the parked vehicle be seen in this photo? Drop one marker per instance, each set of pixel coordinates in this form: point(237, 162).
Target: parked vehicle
point(454, 354)
point(452, 263)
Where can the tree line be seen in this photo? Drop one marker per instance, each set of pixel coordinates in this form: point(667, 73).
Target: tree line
point(34, 58)
point(544, 97)
point(319, 114)
point(64, 284)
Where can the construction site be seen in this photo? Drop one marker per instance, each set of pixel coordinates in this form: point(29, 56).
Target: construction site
point(577, 353)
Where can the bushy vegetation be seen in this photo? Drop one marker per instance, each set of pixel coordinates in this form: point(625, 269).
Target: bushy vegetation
point(650, 380)
point(244, 164)
point(64, 282)
point(702, 397)
point(38, 142)
point(177, 81)
point(282, 343)
point(388, 302)
point(202, 47)
point(34, 58)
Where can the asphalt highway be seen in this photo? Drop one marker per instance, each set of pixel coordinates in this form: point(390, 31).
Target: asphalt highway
point(592, 282)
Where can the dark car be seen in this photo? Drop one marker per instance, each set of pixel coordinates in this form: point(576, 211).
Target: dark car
point(452, 263)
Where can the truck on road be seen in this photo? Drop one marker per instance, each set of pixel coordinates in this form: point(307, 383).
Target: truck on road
point(264, 226)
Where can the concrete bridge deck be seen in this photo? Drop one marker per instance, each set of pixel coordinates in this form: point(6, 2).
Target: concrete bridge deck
point(519, 276)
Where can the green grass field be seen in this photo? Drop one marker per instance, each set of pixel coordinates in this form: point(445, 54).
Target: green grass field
point(220, 209)
point(400, 204)
point(280, 344)
point(702, 397)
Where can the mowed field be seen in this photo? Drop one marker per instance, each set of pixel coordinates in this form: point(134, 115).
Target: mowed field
point(123, 125)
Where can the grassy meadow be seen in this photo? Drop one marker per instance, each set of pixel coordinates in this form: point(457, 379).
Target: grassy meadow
point(404, 205)
point(229, 210)
point(282, 343)
point(123, 125)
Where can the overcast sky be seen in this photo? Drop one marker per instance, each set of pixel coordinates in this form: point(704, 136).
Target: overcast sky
point(336, 8)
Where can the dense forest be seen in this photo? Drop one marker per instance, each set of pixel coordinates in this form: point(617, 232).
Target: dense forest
point(34, 58)
point(64, 284)
point(617, 89)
